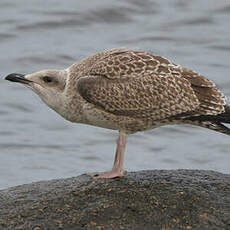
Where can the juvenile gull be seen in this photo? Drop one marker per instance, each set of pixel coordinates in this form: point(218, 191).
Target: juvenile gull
point(129, 91)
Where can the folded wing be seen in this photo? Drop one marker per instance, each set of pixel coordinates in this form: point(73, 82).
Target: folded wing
point(150, 96)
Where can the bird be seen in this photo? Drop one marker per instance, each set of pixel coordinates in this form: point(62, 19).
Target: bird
point(129, 91)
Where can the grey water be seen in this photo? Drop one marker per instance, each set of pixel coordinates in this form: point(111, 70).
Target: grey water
point(37, 144)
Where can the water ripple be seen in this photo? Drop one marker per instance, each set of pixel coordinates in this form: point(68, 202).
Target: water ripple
point(6, 37)
point(108, 16)
point(31, 146)
point(225, 48)
point(18, 107)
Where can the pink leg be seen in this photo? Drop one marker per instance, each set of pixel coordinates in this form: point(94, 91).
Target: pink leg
point(117, 170)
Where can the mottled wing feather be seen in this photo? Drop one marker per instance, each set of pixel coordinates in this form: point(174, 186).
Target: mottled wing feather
point(196, 80)
point(211, 100)
point(143, 85)
point(121, 63)
point(153, 97)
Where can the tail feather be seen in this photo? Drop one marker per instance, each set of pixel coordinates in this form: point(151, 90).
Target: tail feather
point(225, 117)
point(213, 122)
point(218, 127)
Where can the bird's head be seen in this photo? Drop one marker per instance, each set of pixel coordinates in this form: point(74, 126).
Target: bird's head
point(48, 84)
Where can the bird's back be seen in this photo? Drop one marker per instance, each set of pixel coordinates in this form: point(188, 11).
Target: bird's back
point(137, 85)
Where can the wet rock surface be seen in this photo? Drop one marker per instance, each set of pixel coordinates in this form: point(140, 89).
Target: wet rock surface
point(158, 199)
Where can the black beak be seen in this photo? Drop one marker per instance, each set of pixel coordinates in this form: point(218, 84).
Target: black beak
point(17, 77)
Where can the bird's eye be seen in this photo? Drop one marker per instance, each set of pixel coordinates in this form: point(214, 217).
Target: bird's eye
point(47, 79)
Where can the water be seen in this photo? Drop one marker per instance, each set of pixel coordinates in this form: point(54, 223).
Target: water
point(37, 144)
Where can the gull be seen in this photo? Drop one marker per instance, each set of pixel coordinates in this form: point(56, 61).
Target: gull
point(129, 91)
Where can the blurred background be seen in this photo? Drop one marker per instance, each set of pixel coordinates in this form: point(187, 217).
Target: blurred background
point(37, 144)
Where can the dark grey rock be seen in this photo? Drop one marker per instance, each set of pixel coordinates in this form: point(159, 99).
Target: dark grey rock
point(159, 199)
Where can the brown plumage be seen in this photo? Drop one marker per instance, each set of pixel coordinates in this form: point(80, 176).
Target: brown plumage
point(130, 91)
point(150, 88)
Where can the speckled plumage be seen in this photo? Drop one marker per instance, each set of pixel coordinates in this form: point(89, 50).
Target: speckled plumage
point(135, 90)
point(129, 91)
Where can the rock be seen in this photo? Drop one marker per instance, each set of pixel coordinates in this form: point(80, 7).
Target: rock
point(159, 199)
